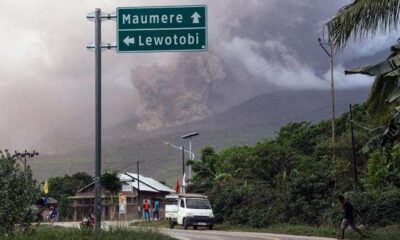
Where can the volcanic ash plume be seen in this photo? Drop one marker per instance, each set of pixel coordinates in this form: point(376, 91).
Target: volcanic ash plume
point(177, 92)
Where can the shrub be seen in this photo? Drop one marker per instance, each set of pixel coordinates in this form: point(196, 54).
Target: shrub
point(18, 192)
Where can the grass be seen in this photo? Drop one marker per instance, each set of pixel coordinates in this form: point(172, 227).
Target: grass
point(51, 233)
point(386, 233)
point(284, 229)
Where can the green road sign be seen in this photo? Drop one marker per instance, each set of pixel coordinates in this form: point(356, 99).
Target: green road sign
point(147, 29)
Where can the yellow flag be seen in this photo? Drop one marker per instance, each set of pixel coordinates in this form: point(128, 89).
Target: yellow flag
point(46, 187)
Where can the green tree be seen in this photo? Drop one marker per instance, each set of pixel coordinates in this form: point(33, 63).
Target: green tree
point(382, 173)
point(18, 192)
point(360, 19)
point(60, 188)
point(68, 185)
point(206, 171)
point(111, 183)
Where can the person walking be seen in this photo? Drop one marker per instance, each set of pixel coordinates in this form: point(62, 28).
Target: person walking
point(146, 208)
point(348, 217)
point(156, 210)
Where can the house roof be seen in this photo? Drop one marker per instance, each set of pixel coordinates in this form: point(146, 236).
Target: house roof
point(85, 187)
point(50, 200)
point(145, 184)
point(187, 195)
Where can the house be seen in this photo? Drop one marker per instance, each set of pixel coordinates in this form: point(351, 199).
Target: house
point(149, 189)
point(46, 202)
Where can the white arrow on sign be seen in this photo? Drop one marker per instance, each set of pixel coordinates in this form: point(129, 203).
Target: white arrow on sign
point(129, 40)
point(196, 18)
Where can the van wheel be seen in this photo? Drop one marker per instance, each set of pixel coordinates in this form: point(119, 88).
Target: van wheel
point(194, 227)
point(211, 227)
point(171, 224)
point(185, 225)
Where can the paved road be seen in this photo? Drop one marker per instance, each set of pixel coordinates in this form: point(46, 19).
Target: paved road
point(222, 235)
point(205, 234)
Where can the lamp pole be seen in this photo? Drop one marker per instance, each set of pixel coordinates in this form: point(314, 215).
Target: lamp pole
point(180, 148)
point(183, 150)
point(190, 136)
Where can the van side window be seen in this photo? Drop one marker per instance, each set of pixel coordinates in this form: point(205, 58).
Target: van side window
point(182, 204)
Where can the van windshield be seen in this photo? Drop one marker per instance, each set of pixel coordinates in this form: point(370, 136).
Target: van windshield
point(171, 201)
point(197, 203)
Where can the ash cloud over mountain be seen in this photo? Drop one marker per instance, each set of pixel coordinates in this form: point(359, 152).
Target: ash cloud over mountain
point(177, 92)
point(255, 47)
point(260, 46)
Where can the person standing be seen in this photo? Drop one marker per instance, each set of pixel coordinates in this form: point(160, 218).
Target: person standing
point(53, 215)
point(348, 217)
point(146, 208)
point(156, 210)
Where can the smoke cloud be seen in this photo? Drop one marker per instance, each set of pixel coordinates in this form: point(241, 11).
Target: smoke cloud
point(256, 46)
point(177, 92)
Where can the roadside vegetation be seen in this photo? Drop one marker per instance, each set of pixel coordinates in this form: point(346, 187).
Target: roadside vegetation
point(293, 179)
point(51, 233)
point(385, 233)
point(18, 194)
point(60, 188)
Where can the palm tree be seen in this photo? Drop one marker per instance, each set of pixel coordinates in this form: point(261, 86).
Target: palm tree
point(361, 19)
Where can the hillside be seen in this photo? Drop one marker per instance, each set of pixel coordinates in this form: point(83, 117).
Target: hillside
point(245, 123)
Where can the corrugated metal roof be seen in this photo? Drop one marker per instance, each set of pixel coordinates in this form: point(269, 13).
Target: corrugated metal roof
point(145, 183)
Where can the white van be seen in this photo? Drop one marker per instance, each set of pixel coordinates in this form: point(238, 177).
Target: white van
point(189, 210)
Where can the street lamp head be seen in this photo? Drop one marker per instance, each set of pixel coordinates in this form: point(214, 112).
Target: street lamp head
point(190, 135)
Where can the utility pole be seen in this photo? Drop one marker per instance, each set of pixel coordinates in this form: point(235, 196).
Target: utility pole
point(25, 155)
point(183, 160)
point(330, 55)
point(138, 190)
point(332, 95)
point(25, 162)
point(183, 167)
point(353, 146)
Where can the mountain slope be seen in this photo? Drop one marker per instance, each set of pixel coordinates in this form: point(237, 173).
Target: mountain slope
point(246, 123)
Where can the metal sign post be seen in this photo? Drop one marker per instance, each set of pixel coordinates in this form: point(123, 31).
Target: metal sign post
point(152, 29)
point(97, 17)
point(145, 29)
point(97, 42)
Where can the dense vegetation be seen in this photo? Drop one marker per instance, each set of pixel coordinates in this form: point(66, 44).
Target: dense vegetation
point(18, 192)
point(294, 179)
point(60, 188)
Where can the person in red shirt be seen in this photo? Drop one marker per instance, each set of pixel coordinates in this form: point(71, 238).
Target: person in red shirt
point(146, 208)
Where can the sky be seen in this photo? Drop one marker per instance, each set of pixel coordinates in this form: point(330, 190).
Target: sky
point(255, 47)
